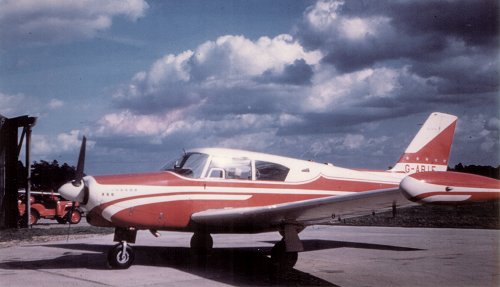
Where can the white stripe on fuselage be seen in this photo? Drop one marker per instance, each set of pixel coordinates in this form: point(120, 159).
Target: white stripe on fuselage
point(111, 210)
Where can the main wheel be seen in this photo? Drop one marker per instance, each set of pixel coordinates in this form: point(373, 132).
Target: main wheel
point(201, 242)
point(118, 259)
point(281, 259)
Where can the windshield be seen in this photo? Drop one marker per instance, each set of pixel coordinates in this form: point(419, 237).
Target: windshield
point(190, 165)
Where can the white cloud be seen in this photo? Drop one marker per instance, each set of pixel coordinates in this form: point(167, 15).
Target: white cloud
point(45, 146)
point(333, 91)
point(55, 21)
point(11, 105)
point(41, 145)
point(213, 71)
point(55, 104)
point(69, 141)
point(20, 104)
point(477, 138)
point(353, 141)
point(356, 28)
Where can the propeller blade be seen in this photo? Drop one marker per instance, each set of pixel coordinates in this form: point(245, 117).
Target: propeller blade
point(75, 189)
point(81, 163)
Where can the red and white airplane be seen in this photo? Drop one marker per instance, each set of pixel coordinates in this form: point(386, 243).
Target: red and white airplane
point(214, 190)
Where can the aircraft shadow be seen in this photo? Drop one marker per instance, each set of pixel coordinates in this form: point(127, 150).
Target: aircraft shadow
point(236, 266)
point(316, 244)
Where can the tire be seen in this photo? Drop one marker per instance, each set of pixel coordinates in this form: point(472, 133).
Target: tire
point(201, 243)
point(76, 216)
point(281, 259)
point(118, 260)
point(34, 217)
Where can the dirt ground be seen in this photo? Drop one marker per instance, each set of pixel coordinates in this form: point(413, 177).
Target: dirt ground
point(11, 237)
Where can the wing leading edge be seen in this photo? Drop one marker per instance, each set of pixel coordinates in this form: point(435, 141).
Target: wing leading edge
point(306, 212)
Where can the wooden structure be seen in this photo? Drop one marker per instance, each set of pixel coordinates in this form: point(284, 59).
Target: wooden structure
point(11, 175)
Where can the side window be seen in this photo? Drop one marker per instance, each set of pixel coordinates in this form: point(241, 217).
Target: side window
point(230, 168)
point(270, 171)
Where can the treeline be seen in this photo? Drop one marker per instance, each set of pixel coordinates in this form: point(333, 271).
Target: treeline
point(489, 171)
point(46, 176)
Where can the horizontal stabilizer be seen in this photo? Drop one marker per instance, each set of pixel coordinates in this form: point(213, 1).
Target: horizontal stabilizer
point(449, 188)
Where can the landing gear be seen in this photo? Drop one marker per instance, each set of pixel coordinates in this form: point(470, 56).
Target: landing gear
point(201, 243)
point(284, 254)
point(282, 259)
point(121, 256)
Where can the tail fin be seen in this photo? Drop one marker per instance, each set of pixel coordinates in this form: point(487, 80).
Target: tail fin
point(430, 149)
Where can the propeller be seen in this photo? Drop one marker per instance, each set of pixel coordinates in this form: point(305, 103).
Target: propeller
point(75, 189)
point(81, 164)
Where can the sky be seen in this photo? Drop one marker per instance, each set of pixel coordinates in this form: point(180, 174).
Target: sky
point(343, 82)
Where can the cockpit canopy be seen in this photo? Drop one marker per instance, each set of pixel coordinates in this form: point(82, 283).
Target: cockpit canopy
point(230, 167)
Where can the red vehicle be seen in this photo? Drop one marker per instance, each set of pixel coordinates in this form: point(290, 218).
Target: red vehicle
point(49, 205)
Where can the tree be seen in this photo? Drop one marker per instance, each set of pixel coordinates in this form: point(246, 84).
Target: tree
point(47, 176)
point(489, 171)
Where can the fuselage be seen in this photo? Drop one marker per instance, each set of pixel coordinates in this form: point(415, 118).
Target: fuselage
point(166, 200)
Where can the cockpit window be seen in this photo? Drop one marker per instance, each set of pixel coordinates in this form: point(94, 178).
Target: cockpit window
point(189, 165)
point(230, 168)
point(270, 171)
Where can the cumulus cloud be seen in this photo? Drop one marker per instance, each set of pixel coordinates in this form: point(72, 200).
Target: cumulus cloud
point(346, 67)
point(437, 40)
point(477, 138)
point(48, 21)
point(13, 105)
point(45, 145)
point(10, 105)
point(55, 104)
point(220, 73)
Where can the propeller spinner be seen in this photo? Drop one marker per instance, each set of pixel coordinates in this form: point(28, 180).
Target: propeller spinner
point(75, 189)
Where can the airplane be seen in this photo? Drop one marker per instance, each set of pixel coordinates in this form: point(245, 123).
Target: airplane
point(218, 190)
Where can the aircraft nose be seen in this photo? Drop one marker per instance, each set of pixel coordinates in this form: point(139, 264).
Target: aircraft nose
point(72, 192)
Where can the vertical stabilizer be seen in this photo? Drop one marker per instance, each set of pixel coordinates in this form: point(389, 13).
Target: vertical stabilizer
point(430, 149)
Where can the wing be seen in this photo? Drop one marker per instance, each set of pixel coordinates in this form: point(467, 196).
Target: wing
point(306, 212)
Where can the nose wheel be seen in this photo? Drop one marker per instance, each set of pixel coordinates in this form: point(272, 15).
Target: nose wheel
point(121, 256)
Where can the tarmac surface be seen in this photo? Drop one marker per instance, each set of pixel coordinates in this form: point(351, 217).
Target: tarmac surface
point(334, 256)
